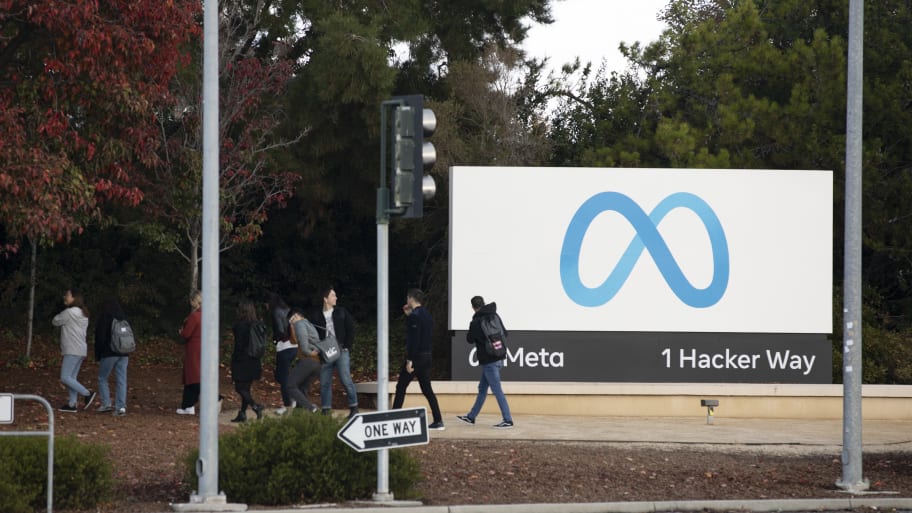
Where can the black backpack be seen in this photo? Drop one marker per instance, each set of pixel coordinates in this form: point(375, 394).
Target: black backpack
point(257, 346)
point(495, 337)
point(122, 340)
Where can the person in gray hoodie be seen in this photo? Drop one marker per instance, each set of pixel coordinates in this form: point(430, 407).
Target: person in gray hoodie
point(73, 322)
point(307, 370)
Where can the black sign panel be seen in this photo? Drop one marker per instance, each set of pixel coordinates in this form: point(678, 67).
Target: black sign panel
point(656, 357)
point(385, 429)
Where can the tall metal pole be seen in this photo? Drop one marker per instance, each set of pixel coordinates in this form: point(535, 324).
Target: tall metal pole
point(852, 480)
point(383, 492)
point(207, 464)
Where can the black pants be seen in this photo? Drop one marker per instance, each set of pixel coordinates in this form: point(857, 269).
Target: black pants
point(283, 367)
point(243, 390)
point(422, 370)
point(191, 395)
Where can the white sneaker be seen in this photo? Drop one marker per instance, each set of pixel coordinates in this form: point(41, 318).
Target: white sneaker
point(283, 409)
point(187, 411)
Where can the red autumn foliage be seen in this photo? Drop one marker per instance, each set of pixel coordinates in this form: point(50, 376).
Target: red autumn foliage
point(77, 121)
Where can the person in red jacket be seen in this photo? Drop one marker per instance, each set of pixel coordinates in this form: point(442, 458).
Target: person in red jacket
point(191, 332)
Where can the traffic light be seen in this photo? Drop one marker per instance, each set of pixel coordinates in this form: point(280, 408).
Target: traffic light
point(412, 155)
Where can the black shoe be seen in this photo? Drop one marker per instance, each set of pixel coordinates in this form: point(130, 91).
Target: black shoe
point(437, 426)
point(506, 424)
point(352, 411)
point(466, 419)
point(68, 408)
point(88, 400)
point(241, 417)
point(258, 409)
point(326, 411)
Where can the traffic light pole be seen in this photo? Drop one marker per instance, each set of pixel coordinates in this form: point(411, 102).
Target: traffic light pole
point(410, 157)
point(383, 218)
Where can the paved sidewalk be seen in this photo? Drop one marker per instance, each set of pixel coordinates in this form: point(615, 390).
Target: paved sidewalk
point(775, 435)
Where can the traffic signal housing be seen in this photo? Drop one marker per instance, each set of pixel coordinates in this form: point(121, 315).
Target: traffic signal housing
point(412, 155)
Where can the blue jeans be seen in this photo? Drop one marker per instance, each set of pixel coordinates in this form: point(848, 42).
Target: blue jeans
point(490, 377)
point(119, 365)
point(69, 374)
point(326, 377)
point(283, 366)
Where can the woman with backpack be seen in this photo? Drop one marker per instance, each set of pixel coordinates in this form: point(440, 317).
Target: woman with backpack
point(110, 360)
point(286, 350)
point(246, 363)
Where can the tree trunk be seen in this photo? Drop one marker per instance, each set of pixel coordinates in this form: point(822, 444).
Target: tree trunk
point(194, 265)
point(31, 307)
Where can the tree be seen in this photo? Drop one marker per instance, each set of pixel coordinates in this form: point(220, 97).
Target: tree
point(250, 181)
point(75, 120)
point(352, 58)
point(75, 117)
point(759, 84)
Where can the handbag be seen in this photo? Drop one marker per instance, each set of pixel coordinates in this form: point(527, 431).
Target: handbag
point(329, 349)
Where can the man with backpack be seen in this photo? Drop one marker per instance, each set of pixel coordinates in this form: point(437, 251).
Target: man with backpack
point(489, 335)
point(113, 344)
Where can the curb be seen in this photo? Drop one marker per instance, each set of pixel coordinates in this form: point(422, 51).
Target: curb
point(620, 507)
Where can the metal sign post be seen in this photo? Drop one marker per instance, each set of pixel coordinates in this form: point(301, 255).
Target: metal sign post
point(6, 417)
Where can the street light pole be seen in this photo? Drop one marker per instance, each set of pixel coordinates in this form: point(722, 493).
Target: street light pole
point(852, 480)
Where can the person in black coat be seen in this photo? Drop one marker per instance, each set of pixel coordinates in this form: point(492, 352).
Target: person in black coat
point(335, 320)
point(418, 360)
point(245, 369)
point(490, 365)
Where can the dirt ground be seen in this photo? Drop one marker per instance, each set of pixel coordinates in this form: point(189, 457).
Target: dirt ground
point(148, 478)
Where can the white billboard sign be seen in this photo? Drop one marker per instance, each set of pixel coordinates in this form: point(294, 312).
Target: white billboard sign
point(664, 250)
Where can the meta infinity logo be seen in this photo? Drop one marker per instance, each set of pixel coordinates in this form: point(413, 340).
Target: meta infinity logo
point(647, 237)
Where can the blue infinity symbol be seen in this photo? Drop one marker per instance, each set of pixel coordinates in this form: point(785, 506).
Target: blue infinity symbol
point(647, 237)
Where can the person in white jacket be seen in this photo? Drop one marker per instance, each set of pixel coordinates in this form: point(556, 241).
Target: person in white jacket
point(73, 322)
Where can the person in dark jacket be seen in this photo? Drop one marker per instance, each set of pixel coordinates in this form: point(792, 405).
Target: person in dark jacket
point(245, 369)
point(420, 327)
point(110, 360)
point(286, 350)
point(490, 365)
point(336, 320)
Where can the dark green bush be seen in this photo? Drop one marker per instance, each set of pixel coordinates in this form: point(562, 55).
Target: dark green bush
point(299, 459)
point(82, 474)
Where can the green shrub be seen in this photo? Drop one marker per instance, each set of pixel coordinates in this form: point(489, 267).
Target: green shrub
point(82, 474)
point(298, 459)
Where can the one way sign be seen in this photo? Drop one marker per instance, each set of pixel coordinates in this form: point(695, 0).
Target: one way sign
point(385, 429)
